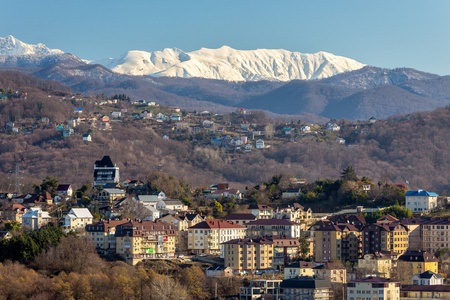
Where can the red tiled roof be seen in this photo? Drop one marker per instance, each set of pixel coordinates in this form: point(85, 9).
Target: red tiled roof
point(215, 224)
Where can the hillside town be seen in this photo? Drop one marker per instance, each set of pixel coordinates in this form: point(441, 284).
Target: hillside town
point(285, 251)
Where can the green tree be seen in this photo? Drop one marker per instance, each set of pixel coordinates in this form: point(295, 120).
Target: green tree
point(218, 208)
point(349, 174)
point(304, 246)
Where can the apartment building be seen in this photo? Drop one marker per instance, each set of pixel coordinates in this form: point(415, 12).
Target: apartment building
point(261, 211)
point(379, 264)
point(102, 235)
point(373, 288)
point(240, 219)
point(139, 240)
point(207, 236)
point(385, 237)
point(248, 254)
point(285, 249)
point(435, 234)
point(421, 201)
point(271, 227)
point(340, 241)
point(300, 268)
point(415, 262)
point(332, 272)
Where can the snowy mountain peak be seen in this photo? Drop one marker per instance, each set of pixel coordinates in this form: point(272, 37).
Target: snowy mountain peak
point(12, 46)
point(226, 63)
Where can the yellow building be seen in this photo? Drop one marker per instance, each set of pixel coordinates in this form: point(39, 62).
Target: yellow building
point(385, 237)
point(300, 268)
point(207, 236)
point(435, 234)
point(102, 235)
point(379, 264)
point(332, 272)
point(419, 292)
point(373, 288)
point(139, 240)
point(248, 254)
point(415, 262)
point(341, 241)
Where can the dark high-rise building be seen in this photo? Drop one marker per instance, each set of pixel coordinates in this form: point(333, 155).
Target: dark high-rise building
point(105, 172)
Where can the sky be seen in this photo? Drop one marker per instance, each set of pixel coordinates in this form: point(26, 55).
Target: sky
point(382, 33)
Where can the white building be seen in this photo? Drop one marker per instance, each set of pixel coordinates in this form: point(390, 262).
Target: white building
point(421, 201)
point(333, 127)
point(428, 278)
point(259, 144)
point(35, 218)
point(77, 218)
point(207, 236)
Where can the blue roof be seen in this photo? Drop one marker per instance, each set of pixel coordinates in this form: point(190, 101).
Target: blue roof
point(420, 193)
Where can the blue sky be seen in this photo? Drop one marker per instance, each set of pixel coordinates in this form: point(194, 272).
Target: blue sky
point(382, 33)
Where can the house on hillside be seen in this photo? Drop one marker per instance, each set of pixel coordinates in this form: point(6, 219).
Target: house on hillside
point(77, 218)
point(65, 190)
point(333, 127)
point(87, 137)
point(35, 218)
point(259, 144)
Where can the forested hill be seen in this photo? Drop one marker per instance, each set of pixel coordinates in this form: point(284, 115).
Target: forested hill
point(413, 148)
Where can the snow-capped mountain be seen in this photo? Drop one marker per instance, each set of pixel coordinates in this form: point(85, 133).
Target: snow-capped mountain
point(229, 64)
point(12, 46)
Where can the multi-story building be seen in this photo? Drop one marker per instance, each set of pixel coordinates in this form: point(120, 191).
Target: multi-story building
point(77, 219)
point(105, 172)
point(102, 235)
point(425, 292)
point(376, 264)
point(35, 218)
point(139, 240)
point(373, 288)
point(285, 249)
point(415, 262)
point(414, 232)
point(207, 236)
point(421, 201)
point(295, 213)
point(261, 211)
point(300, 268)
point(332, 272)
point(340, 241)
point(266, 227)
point(385, 237)
point(435, 234)
point(240, 219)
point(259, 289)
point(248, 254)
point(307, 288)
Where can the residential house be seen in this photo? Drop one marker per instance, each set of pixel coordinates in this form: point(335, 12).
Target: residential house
point(305, 129)
point(102, 235)
point(421, 201)
point(259, 144)
point(208, 124)
point(291, 193)
point(35, 218)
point(14, 213)
point(287, 130)
point(87, 137)
point(219, 271)
point(5, 235)
point(44, 200)
point(373, 288)
point(207, 236)
point(295, 213)
point(428, 278)
point(139, 240)
point(248, 254)
point(228, 193)
point(415, 262)
point(116, 114)
point(77, 219)
point(146, 114)
point(245, 125)
point(175, 117)
point(333, 127)
point(65, 190)
point(305, 287)
point(266, 227)
point(378, 264)
point(332, 272)
point(110, 195)
point(261, 211)
point(299, 268)
point(240, 218)
point(172, 204)
point(105, 172)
